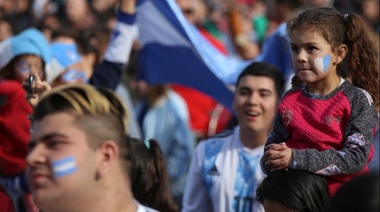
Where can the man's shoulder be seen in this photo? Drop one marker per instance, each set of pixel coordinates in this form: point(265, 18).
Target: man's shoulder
point(219, 136)
point(213, 144)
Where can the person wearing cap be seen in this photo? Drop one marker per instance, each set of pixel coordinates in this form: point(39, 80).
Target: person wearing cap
point(21, 55)
point(24, 54)
point(66, 65)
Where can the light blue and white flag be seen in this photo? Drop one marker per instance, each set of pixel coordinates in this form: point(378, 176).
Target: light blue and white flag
point(64, 166)
point(174, 51)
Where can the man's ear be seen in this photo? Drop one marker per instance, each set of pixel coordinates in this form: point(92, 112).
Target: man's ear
point(340, 53)
point(108, 157)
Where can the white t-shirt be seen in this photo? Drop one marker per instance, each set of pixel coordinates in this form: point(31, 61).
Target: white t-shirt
point(223, 175)
point(142, 208)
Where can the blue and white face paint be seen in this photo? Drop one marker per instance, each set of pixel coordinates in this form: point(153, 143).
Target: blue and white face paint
point(323, 63)
point(73, 75)
point(64, 166)
point(23, 67)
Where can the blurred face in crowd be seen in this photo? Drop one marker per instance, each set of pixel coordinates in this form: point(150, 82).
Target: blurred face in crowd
point(76, 9)
point(5, 30)
point(255, 103)
point(140, 88)
point(61, 165)
point(26, 65)
point(7, 6)
point(188, 10)
point(370, 10)
point(22, 6)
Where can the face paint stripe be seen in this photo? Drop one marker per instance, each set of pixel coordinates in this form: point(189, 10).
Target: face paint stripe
point(322, 64)
point(326, 62)
point(64, 166)
point(62, 161)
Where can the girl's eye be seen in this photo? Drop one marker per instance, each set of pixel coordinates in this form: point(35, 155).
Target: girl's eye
point(294, 49)
point(311, 48)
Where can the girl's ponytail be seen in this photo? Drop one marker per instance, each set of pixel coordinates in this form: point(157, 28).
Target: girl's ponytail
point(363, 67)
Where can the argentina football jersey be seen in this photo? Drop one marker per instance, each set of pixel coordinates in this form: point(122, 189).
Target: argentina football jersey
point(223, 175)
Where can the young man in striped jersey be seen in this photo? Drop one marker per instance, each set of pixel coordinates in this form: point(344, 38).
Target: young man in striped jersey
point(226, 167)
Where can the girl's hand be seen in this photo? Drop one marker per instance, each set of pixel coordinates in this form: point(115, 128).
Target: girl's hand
point(39, 87)
point(278, 157)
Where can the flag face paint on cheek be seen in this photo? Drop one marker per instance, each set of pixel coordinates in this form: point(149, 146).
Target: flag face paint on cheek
point(64, 166)
point(322, 64)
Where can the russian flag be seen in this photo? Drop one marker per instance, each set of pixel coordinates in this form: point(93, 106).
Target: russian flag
point(174, 51)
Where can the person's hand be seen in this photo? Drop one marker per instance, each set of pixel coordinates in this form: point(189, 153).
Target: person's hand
point(278, 157)
point(39, 87)
point(128, 6)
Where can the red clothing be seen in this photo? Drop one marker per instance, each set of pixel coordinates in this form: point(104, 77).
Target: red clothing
point(312, 136)
point(14, 128)
point(330, 135)
point(6, 204)
point(200, 108)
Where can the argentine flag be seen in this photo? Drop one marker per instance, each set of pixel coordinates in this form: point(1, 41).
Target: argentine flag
point(174, 51)
point(64, 166)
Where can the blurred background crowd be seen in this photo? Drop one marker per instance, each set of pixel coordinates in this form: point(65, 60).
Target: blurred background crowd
point(236, 28)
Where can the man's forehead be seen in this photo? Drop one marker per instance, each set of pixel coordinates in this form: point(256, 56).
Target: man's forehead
point(54, 121)
point(258, 82)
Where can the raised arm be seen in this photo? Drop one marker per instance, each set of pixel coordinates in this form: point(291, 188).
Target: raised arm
point(108, 73)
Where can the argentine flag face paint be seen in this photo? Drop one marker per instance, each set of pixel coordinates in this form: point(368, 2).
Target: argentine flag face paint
point(322, 63)
point(64, 166)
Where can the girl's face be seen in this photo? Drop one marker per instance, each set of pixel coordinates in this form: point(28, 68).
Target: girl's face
point(27, 65)
point(312, 56)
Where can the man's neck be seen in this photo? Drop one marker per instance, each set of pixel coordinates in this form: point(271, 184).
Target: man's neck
point(111, 198)
point(252, 140)
point(118, 198)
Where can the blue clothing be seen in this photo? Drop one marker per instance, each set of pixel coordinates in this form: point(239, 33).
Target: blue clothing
point(277, 52)
point(133, 127)
point(223, 175)
point(168, 122)
point(108, 72)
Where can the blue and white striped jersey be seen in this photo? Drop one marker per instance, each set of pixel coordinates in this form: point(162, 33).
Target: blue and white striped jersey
point(223, 175)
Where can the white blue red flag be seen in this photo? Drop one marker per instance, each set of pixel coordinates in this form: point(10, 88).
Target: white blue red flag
point(174, 51)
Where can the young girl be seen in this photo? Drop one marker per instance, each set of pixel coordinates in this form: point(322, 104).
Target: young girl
point(150, 179)
point(325, 123)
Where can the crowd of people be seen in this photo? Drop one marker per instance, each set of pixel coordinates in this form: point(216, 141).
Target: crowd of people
point(82, 130)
